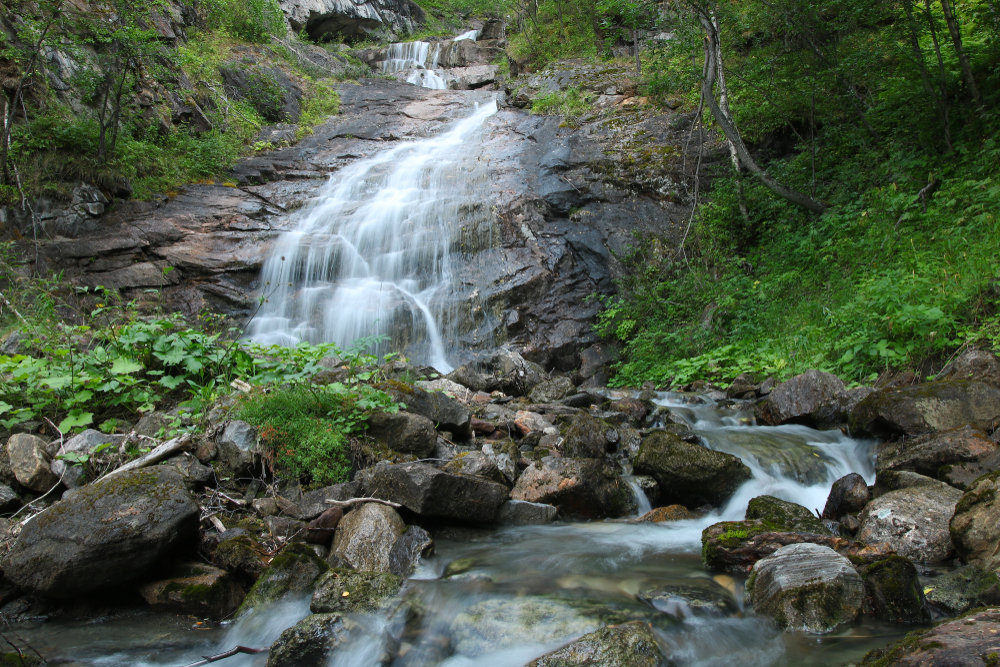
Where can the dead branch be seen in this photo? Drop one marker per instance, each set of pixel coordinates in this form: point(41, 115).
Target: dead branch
point(165, 450)
point(228, 654)
point(357, 501)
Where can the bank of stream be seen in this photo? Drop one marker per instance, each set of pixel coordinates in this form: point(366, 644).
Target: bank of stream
point(504, 596)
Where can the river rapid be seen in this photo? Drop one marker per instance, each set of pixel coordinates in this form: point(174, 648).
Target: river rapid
point(501, 597)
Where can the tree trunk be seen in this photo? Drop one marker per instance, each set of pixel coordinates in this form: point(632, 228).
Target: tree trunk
point(963, 59)
point(635, 45)
point(732, 132)
point(724, 91)
point(4, 149)
point(941, 69)
point(918, 55)
point(562, 24)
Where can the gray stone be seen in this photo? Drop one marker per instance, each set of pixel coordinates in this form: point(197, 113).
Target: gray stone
point(195, 475)
point(194, 589)
point(968, 641)
point(585, 438)
point(849, 495)
point(414, 544)
point(475, 464)
point(689, 474)
point(367, 592)
point(797, 398)
point(9, 500)
point(445, 413)
point(312, 504)
point(975, 528)
point(313, 641)
point(806, 587)
point(84, 444)
point(577, 487)
point(523, 513)
point(110, 533)
point(366, 535)
point(285, 528)
point(404, 432)
point(293, 571)
point(552, 390)
point(628, 645)
point(927, 454)
point(424, 489)
point(913, 521)
point(29, 460)
point(966, 588)
point(894, 591)
point(923, 408)
point(237, 447)
point(973, 365)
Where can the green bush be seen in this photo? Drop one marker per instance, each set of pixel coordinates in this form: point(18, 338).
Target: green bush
point(250, 20)
point(571, 103)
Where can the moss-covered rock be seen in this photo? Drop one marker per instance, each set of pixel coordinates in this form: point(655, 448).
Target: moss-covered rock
point(894, 591)
point(342, 590)
point(584, 438)
point(963, 589)
point(788, 515)
point(313, 641)
point(15, 660)
point(975, 528)
point(628, 645)
point(294, 570)
point(195, 589)
point(689, 474)
point(697, 597)
point(241, 556)
point(972, 639)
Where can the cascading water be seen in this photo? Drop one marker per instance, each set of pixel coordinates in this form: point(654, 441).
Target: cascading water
point(503, 597)
point(413, 55)
point(373, 255)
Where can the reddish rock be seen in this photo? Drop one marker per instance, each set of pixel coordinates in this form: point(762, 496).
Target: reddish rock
point(526, 422)
point(972, 640)
point(320, 530)
point(668, 513)
point(482, 426)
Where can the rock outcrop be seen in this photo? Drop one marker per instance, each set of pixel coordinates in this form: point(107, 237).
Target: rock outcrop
point(975, 528)
point(108, 534)
point(353, 20)
point(924, 408)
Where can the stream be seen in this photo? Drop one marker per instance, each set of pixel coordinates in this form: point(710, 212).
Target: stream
point(500, 597)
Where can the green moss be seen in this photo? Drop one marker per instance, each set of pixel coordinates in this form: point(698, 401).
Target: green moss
point(294, 570)
point(343, 590)
point(15, 660)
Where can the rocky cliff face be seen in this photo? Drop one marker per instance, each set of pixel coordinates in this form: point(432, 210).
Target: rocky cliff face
point(560, 205)
point(353, 20)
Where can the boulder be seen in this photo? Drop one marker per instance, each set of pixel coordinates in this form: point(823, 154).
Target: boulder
point(30, 461)
point(414, 544)
point(504, 370)
point(794, 400)
point(195, 589)
point(9, 500)
point(628, 645)
point(282, 527)
point(913, 521)
point(320, 530)
point(313, 641)
point(742, 385)
point(353, 20)
point(424, 489)
point(848, 495)
point(552, 390)
point(689, 474)
point(584, 439)
point(963, 589)
point(312, 504)
point(896, 480)
point(108, 534)
point(692, 597)
point(634, 409)
point(404, 432)
point(734, 546)
point(524, 513)
point(791, 517)
point(668, 513)
point(967, 641)
point(894, 591)
point(530, 422)
point(293, 571)
point(475, 464)
point(975, 528)
point(577, 487)
point(80, 444)
point(926, 454)
point(345, 591)
point(366, 535)
point(806, 587)
point(923, 408)
point(195, 475)
point(962, 475)
point(237, 447)
point(241, 556)
point(445, 413)
point(973, 365)
point(504, 460)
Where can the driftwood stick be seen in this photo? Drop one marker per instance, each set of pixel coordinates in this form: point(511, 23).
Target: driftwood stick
point(163, 451)
point(357, 501)
point(217, 522)
point(228, 654)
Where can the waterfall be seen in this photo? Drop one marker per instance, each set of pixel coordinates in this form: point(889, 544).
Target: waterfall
point(413, 55)
point(372, 255)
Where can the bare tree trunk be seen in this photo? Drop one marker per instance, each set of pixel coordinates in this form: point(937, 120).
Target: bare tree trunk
point(732, 132)
point(724, 90)
point(635, 46)
point(562, 24)
point(941, 69)
point(963, 59)
point(918, 55)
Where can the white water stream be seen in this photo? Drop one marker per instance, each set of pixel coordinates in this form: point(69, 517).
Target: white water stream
point(413, 55)
point(373, 254)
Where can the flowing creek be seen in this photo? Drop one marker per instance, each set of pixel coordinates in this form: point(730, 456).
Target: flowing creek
point(502, 597)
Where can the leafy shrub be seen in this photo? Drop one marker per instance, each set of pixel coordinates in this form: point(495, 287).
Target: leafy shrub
point(250, 20)
point(571, 103)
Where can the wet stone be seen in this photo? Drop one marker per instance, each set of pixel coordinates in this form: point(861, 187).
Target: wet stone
point(341, 590)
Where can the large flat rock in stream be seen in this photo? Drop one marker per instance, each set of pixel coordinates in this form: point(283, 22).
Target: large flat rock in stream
point(108, 534)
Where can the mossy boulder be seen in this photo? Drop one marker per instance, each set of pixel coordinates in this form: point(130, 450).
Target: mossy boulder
point(294, 570)
point(241, 556)
point(926, 454)
point(366, 535)
point(315, 639)
point(789, 516)
point(975, 528)
point(14, 660)
point(894, 591)
point(628, 645)
point(806, 587)
point(924, 408)
point(970, 640)
point(552, 390)
point(695, 597)
point(584, 438)
point(342, 590)
point(689, 474)
point(963, 589)
point(195, 589)
point(108, 533)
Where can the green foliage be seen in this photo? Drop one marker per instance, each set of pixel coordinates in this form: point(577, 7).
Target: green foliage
point(248, 20)
point(571, 103)
point(306, 428)
point(324, 102)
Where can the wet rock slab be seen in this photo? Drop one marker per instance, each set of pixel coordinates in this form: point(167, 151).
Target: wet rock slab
point(628, 645)
point(967, 641)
